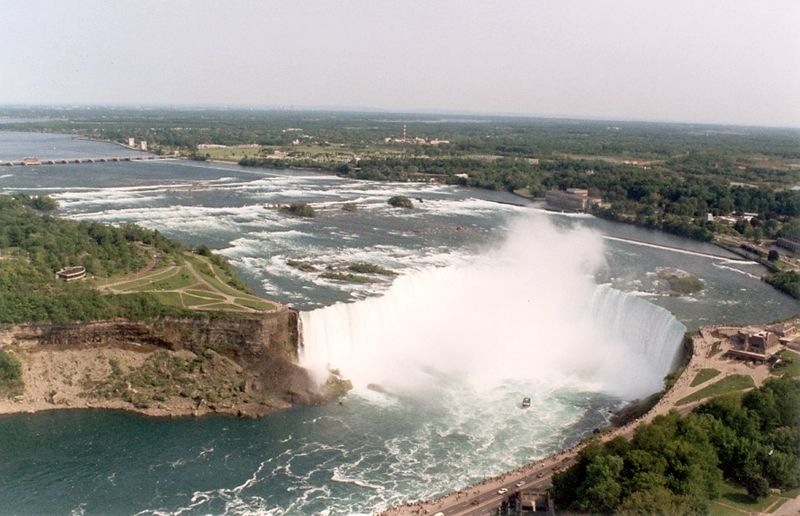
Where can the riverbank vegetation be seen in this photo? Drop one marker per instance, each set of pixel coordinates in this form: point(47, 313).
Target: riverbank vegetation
point(400, 201)
point(664, 176)
point(679, 465)
point(10, 375)
point(734, 185)
point(299, 209)
point(34, 245)
point(787, 281)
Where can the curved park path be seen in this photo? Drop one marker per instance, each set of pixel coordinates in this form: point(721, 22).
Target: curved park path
point(207, 291)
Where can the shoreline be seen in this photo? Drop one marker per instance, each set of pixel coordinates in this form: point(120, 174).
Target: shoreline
point(240, 412)
point(170, 367)
point(67, 379)
point(481, 497)
point(541, 469)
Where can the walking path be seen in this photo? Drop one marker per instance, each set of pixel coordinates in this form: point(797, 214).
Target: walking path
point(182, 284)
point(482, 498)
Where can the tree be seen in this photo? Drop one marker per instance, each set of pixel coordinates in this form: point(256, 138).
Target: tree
point(655, 500)
point(756, 485)
point(773, 255)
point(44, 203)
point(601, 491)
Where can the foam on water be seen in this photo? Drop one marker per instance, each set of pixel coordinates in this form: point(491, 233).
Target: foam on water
point(529, 310)
point(481, 330)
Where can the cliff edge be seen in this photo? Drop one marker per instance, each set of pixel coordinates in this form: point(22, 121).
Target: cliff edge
point(163, 367)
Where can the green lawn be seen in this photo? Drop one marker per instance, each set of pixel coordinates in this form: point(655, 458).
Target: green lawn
point(793, 493)
point(733, 383)
point(206, 294)
point(182, 279)
point(147, 279)
point(256, 304)
point(205, 268)
point(703, 376)
point(736, 496)
point(190, 300)
point(230, 153)
point(225, 307)
point(788, 369)
point(224, 277)
point(169, 298)
point(194, 283)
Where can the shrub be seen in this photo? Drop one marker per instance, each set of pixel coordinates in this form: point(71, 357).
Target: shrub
point(203, 250)
point(400, 201)
point(10, 374)
point(299, 209)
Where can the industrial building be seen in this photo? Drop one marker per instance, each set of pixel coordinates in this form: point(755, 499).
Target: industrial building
point(572, 199)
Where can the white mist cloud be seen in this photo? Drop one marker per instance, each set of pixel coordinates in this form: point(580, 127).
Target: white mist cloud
point(528, 311)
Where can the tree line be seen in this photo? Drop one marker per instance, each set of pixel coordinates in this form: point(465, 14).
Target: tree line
point(675, 464)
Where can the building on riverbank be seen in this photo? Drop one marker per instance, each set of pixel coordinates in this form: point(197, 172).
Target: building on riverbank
point(751, 343)
point(572, 199)
point(758, 341)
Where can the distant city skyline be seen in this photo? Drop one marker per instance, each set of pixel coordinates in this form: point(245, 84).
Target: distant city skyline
point(704, 61)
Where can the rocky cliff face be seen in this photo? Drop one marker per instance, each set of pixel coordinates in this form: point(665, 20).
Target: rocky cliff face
point(242, 366)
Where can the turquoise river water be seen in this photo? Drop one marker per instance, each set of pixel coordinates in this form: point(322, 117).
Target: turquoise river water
point(495, 299)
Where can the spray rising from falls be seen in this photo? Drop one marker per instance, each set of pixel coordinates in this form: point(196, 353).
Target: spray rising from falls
point(528, 311)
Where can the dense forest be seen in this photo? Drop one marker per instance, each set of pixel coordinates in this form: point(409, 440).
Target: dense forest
point(675, 464)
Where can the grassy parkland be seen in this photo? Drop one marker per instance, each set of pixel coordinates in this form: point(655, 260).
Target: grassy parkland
point(126, 271)
point(190, 281)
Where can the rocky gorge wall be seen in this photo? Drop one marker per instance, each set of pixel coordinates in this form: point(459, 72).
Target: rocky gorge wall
point(169, 366)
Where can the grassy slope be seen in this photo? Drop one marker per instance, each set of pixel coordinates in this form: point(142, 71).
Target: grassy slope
point(733, 383)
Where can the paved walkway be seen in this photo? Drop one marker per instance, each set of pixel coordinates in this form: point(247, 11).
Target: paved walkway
point(483, 498)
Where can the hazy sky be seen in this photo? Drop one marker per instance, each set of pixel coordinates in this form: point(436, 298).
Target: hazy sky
point(729, 61)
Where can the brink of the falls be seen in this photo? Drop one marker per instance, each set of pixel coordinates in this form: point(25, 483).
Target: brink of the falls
point(529, 310)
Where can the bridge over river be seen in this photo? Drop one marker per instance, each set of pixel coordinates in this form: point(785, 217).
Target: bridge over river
point(32, 162)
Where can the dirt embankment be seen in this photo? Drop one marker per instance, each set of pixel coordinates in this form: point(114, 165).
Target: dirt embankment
point(167, 367)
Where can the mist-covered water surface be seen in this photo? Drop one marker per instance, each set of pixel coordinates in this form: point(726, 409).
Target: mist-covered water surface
point(493, 301)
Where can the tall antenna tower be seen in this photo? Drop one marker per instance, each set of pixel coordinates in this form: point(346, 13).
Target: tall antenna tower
point(405, 136)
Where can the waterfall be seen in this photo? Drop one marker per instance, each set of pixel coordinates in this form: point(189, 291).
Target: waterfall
point(641, 325)
point(529, 310)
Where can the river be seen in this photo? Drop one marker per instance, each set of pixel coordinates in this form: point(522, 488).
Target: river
point(454, 251)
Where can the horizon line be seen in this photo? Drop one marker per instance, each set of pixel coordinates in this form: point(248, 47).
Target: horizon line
point(379, 110)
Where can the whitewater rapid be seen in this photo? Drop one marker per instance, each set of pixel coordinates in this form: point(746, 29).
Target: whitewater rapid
point(527, 311)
